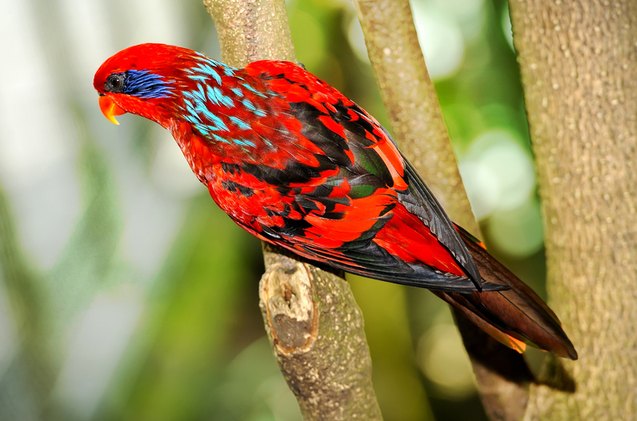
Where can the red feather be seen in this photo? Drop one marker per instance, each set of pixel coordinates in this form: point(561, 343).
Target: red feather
point(405, 236)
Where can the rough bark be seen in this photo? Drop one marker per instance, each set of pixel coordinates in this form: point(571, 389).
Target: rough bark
point(420, 130)
point(579, 69)
point(311, 317)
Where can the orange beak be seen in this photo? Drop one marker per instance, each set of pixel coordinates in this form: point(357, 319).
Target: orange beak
point(110, 109)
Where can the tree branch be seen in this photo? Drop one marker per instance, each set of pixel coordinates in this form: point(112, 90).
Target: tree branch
point(417, 122)
point(579, 67)
point(251, 30)
point(310, 315)
point(412, 103)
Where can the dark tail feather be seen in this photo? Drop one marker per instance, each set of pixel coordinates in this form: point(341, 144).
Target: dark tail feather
point(513, 316)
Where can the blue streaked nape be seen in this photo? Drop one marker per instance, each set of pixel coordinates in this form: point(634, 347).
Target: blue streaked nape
point(208, 68)
point(208, 105)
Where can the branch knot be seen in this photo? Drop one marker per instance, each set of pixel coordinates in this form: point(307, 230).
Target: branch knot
point(286, 297)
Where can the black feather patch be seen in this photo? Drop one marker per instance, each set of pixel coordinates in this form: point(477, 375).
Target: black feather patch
point(421, 202)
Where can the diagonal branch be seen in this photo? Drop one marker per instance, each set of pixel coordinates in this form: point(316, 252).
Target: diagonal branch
point(311, 317)
point(418, 125)
point(412, 103)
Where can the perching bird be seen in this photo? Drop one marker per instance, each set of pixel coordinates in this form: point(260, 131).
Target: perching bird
point(299, 165)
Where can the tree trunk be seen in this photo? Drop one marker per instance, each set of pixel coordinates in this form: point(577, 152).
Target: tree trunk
point(579, 68)
point(311, 317)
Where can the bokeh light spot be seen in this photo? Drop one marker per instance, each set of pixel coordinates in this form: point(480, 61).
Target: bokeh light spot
point(441, 41)
point(470, 15)
point(480, 183)
point(512, 178)
point(517, 231)
point(443, 360)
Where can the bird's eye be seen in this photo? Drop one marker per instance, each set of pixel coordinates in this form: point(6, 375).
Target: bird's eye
point(115, 82)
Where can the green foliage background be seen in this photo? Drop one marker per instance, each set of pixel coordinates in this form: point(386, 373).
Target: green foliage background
point(126, 294)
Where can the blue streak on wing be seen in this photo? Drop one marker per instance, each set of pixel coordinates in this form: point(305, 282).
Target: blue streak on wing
point(248, 104)
point(217, 97)
point(244, 142)
point(220, 138)
point(227, 70)
point(197, 77)
point(241, 125)
point(252, 108)
point(253, 90)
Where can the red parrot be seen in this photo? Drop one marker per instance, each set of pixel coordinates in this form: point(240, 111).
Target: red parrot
point(299, 165)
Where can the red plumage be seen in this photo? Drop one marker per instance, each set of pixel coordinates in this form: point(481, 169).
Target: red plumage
point(296, 163)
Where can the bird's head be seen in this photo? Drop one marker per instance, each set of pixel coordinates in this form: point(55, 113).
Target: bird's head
point(145, 79)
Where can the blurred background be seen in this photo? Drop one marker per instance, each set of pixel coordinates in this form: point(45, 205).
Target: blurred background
point(125, 294)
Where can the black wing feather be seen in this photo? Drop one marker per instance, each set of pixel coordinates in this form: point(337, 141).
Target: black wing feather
point(421, 202)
